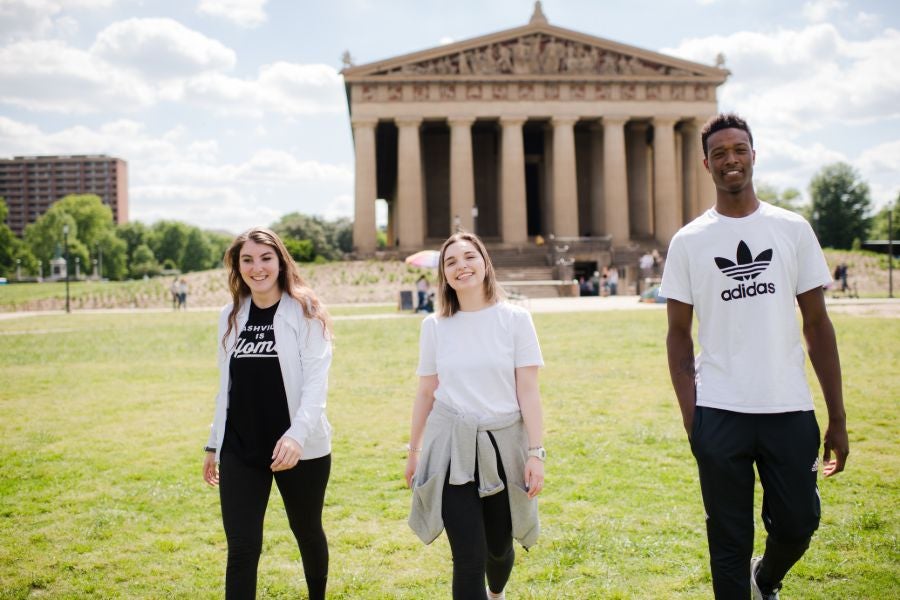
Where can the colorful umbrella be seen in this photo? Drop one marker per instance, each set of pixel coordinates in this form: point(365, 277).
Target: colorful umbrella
point(424, 258)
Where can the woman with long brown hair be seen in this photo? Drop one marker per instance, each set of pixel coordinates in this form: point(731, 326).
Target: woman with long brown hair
point(476, 456)
point(274, 355)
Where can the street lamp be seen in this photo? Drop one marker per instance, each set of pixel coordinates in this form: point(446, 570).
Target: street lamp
point(66, 246)
point(18, 269)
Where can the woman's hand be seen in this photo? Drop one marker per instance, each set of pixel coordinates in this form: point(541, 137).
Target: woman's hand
point(286, 455)
point(534, 476)
point(210, 469)
point(412, 461)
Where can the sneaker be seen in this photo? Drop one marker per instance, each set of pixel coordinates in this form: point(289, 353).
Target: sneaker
point(492, 596)
point(755, 592)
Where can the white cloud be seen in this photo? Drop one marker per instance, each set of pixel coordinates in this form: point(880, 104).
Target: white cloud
point(284, 88)
point(245, 13)
point(23, 19)
point(446, 40)
point(52, 76)
point(137, 63)
point(161, 48)
point(341, 206)
point(804, 80)
point(173, 175)
point(820, 10)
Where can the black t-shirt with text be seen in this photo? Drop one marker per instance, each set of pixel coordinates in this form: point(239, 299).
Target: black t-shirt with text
point(257, 405)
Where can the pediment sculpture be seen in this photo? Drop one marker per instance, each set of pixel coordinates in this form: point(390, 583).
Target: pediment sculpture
point(537, 54)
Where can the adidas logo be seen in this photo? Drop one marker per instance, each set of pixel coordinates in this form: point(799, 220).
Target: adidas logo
point(745, 269)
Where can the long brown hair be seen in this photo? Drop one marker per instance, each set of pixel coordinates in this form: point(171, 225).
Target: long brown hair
point(449, 302)
point(289, 279)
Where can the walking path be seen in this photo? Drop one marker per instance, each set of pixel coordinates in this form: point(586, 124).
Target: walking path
point(880, 307)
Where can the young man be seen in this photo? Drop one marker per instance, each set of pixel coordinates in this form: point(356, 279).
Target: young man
point(745, 399)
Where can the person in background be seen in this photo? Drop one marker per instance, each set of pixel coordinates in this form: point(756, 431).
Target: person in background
point(421, 292)
point(612, 281)
point(275, 347)
point(742, 266)
point(476, 454)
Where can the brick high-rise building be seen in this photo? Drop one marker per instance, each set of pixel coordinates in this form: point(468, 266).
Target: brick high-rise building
point(31, 184)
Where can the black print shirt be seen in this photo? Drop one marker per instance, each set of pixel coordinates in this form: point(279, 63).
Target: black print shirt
point(257, 407)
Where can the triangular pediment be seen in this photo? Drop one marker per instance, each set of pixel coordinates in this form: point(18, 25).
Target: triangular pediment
point(535, 51)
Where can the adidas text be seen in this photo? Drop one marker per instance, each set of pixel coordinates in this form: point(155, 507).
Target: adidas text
point(748, 291)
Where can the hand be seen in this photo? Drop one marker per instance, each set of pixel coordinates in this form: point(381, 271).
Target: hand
point(210, 469)
point(534, 476)
point(286, 455)
point(837, 441)
point(412, 461)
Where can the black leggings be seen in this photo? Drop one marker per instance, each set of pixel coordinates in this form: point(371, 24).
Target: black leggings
point(244, 493)
point(480, 535)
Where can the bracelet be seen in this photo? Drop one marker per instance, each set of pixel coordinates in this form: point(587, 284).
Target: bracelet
point(208, 449)
point(410, 449)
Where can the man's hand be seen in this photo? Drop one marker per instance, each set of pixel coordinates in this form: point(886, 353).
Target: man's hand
point(836, 441)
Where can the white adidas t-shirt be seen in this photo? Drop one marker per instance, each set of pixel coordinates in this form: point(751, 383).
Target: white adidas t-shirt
point(742, 276)
point(475, 354)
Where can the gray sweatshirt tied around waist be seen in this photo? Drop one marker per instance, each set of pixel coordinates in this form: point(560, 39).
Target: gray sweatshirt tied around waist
point(458, 441)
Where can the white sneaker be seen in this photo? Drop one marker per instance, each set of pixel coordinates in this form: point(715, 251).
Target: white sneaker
point(492, 596)
point(755, 592)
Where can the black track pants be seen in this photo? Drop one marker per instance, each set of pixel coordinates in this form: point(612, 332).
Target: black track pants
point(785, 448)
point(480, 535)
point(244, 493)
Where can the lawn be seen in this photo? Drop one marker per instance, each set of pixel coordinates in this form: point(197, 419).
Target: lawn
point(103, 419)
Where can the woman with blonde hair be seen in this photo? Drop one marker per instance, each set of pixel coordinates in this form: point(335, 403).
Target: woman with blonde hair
point(476, 455)
point(274, 355)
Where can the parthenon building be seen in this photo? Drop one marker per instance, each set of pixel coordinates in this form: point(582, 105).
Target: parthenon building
point(532, 131)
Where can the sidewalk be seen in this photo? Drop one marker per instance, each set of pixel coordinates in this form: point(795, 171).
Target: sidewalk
point(882, 307)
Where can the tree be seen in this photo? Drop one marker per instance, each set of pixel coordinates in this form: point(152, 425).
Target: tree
point(300, 250)
point(788, 199)
point(330, 239)
point(143, 262)
point(840, 205)
point(167, 240)
point(197, 251)
point(879, 227)
point(91, 230)
point(218, 243)
point(133, 234)
point(12, 249)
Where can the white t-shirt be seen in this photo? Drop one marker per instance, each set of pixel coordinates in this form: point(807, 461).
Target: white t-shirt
point(742, 276)
point(475, 354)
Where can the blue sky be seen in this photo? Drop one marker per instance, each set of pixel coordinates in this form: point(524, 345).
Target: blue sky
point(232, 113)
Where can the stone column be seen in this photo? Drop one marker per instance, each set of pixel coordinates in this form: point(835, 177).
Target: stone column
point(690, 137)
point(565, 184)
point(640, 180)
point(706, 189)
point(598, 219)
point(365, 185)
point(410, 199)
point(462, 179)
point(513, 218)
point(666, 206)
point(615, 179)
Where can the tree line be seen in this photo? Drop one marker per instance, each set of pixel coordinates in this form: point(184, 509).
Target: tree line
point(135, 250)
point(840, 210)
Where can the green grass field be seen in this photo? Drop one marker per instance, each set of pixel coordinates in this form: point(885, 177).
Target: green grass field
point(103, 419)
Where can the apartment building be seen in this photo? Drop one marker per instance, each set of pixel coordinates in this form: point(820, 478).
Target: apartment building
point(31, 184)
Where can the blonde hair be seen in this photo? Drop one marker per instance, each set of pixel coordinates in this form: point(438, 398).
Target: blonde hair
point(289, 279)
point(449, 302)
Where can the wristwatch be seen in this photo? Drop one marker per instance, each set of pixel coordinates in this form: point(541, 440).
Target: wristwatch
point(538, 452)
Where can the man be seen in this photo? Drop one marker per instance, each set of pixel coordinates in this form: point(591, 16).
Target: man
point(745, 399)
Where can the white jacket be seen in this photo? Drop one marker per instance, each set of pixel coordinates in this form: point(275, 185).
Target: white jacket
point(304, 354)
